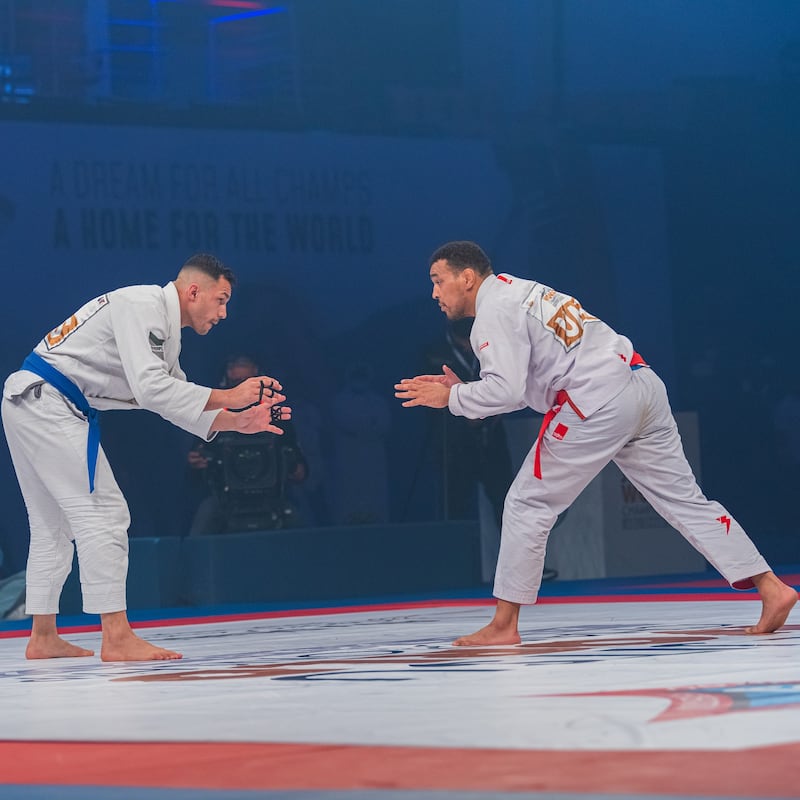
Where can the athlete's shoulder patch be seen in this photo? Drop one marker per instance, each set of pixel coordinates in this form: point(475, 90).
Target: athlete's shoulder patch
point(156, 344)
point(68, 327)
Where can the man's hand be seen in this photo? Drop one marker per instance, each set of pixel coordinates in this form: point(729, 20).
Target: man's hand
point(258, 419)
point(197, 460)
point(424, 390)
point(428, 390)
point(261, 389)
point(449, 378)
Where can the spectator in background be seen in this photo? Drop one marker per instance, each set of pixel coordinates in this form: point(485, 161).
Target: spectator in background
point(361, 420)
point(307, 497)
point(476, 450)
point(245, 479)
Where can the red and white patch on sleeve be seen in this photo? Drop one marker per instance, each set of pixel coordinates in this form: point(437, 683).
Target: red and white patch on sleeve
point(485, 344)
point(504, 279)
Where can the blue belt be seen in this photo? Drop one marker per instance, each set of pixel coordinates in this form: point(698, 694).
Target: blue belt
point(36, 364)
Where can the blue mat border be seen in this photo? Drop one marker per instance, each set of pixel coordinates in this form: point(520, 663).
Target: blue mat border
point(631, 587)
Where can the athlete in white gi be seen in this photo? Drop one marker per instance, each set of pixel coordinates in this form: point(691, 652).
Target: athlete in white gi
point(539, 348)
point(119, 351)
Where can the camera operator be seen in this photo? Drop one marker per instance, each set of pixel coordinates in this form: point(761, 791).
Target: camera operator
point(246, 476)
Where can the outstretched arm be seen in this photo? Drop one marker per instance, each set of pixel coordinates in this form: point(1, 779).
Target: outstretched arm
point(260, 418)
point(427, 390)
point(261, 389)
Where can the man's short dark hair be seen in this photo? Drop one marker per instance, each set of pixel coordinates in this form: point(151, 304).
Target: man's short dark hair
point(241, 360)
point(463, 255)
point(211, 266)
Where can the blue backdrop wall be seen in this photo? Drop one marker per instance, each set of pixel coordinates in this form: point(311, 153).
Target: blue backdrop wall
point(641, 155)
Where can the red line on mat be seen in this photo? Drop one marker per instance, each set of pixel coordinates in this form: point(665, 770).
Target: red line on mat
point(765, 772)
point(400, 606)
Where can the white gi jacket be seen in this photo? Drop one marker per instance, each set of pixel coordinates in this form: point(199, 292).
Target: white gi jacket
point(121, 350)
point(533, 342)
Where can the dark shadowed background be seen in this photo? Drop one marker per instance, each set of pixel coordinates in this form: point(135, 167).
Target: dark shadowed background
point(639, 154)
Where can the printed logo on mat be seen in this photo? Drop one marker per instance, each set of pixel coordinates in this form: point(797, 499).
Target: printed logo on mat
point(583, 646)
point(560, 431)
point(704, 701)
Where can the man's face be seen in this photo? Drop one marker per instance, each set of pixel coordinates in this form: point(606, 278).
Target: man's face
point(209, 304)
point(449, 290)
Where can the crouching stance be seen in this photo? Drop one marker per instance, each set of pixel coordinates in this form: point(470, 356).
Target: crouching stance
point(538, 348)
point(118, 351)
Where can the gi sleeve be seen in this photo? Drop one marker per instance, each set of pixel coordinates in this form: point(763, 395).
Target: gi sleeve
point(139, 327)
point(207, 417)
point(500, 340)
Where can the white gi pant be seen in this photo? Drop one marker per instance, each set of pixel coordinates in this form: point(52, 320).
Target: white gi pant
point(47, 436)
point(637, 431)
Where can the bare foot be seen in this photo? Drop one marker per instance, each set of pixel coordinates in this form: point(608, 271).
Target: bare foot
point(491, 634)
point(778, 599)
point(131, 648)
point(53, 646)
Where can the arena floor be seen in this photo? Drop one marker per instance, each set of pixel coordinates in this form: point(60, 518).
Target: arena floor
point(635, 689)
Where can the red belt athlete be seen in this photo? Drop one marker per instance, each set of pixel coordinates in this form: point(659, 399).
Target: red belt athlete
point(539, 348)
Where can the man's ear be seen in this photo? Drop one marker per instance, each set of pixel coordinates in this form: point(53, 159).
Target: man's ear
point(192, 290)
point(468, 274)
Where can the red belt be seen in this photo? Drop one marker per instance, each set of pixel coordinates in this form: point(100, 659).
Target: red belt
point(561, 398)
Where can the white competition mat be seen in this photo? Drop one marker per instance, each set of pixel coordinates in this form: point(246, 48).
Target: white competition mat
point(613, 681)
